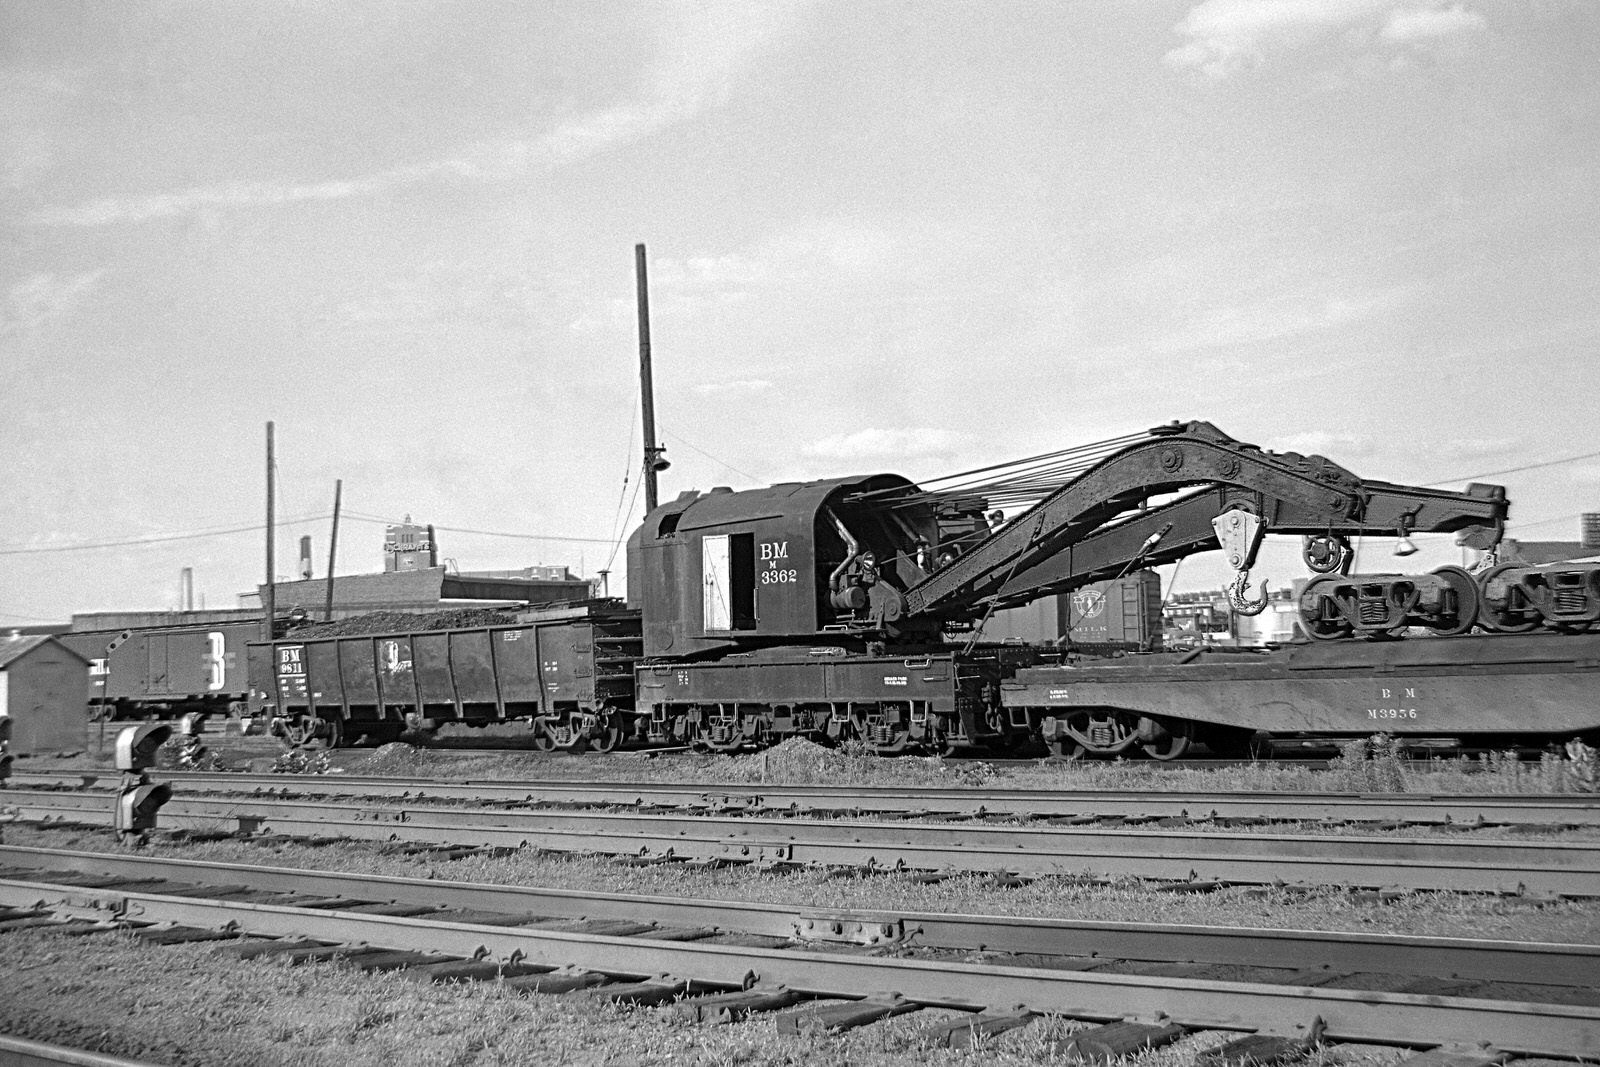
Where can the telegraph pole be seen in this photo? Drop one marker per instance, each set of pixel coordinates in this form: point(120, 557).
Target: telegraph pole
point(269, 598)
point(333, 548)
point(653, 459)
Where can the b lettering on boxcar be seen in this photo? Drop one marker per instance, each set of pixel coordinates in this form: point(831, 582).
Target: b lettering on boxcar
point(217, 660)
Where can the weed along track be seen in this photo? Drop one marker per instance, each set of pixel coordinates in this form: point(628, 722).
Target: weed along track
point(965, 976)
point(1175, 854)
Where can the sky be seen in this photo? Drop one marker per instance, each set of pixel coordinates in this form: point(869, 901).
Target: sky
point(882, 236)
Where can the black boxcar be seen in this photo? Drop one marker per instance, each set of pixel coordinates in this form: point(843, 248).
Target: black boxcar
point(166, 671)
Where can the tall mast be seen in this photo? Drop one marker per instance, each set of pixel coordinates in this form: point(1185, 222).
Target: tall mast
point(653, 459)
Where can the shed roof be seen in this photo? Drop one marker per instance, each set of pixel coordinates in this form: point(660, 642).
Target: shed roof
point(14, 648)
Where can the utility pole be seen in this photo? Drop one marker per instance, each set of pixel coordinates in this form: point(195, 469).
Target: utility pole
point(269, 598)
point(333, 548)
point(653, 459)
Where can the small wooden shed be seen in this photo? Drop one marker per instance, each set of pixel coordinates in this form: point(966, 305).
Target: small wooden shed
point(43, 689)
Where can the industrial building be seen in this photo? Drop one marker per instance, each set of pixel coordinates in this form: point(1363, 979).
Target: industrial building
point(412, 581)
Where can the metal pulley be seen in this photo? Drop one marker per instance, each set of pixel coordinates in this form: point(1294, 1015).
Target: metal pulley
point(1326, 553)
point(1384, 605)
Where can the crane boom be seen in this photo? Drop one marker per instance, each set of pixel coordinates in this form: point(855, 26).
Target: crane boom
point(1103, 522)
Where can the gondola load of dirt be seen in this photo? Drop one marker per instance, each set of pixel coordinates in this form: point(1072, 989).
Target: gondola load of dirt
point(399, 622)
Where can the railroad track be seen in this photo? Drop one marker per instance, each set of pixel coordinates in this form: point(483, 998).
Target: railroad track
point(18, 1052)
point(1424, 809)
point(967, 975)
point(1193, 857)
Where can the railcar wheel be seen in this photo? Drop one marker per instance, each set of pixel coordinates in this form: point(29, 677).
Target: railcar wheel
point(1469, 605)
point(543, 741)
point(1174, 744)
point(608, 740)
point(313, 732)
point(1319, 625)
point(1505, 613)
point(1067, 748)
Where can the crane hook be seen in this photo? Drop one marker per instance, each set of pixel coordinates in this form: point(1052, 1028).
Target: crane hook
point(1240, 590)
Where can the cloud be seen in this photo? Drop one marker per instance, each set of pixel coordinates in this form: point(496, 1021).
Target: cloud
point(700, 54)
point(41, 299)
point(738, 385)
point(1404, 27)
point(1269, 321)
point(1227, 36)
point(1496, 449)
point(1324, 443)
point(793, 259)
point(108, 210)
point(873, 443)
point(33, 104)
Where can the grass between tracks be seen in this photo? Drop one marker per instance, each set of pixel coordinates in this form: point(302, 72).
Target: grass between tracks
point(1471, 915)
point(1364, 765)
point(188, 1007)
point(1374, 764)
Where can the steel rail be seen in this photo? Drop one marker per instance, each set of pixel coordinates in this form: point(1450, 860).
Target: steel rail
point(1349, 1015)
point(1568, 869)
point(1298, 950)
point(1489, 809)
point(20, 1052)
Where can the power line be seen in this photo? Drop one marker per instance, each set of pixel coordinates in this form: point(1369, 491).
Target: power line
point(1547, 522)
point(490, 533)
point(691, 445)
point(27, 618)
point(1515, 470)
point(617, 545)
point(153, 539)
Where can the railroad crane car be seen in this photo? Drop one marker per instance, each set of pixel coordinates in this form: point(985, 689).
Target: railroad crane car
point(853, 608)
point(845, 608)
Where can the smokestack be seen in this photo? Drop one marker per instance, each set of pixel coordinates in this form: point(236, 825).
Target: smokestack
point(305, 557)
point(186, 589)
